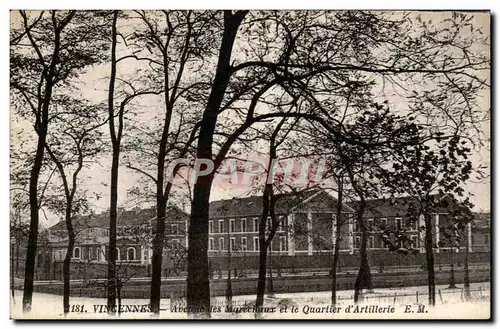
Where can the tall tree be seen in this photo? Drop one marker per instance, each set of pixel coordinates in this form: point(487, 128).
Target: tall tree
point(431, 176)
point(297, 52)
point(179, 45)
point(73, 142)
point(115, 142)
point(198, 294)
point(128, 90)
point(48, 49)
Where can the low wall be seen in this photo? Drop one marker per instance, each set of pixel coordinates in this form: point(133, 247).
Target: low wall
point(245, 286)
point(376, 258)
point(95, 270)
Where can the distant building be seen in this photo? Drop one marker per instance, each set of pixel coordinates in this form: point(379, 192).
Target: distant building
point(306, 229)
point(134, 232)
point(481, 232)
point(306, 224)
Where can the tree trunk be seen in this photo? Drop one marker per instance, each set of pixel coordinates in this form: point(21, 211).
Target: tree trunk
point(429, 255)
point(157, 257)
point(119, 295)
point(364, 278)
point(270, 284)
point(12, 273)
point(29, 268)
point(261, 281)
point(112, 230)
point(198, 287)
point(67, 269)
point(336, 249)
point(229, 288)
point(452, 269)
point(115, 141)
point(467, 294)
point(18, 255)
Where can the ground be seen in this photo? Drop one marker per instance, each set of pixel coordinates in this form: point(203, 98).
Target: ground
point(387, 303)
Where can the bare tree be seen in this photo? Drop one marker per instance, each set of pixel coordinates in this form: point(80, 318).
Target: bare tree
point(179, 45)
point(130, 90)
point(72, 144)
point(48, 49)
point(302, 67)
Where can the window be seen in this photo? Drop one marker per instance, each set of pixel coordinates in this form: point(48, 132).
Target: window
point(383, 224)
point(221, 226)
point(174, 229)
point(370, 224)
point(355, 225)
point(414, 241)
point(371, 242)
point(117, 254)
point(356, 242)
point(244, 243)
point(415, 224)
point(243, 225)
point(284, 222)
point(90, 253)
point(221, 244)
point(232, 226)
point(76, 252)
point(269, 223)
point(211, 244)
point(210, 226)
point(98, 254)
point(131, 253)
point(146, 254)
point(232, 244)
point(256, 224)
point(256, 243)
point(398, 223)
point(282, 243)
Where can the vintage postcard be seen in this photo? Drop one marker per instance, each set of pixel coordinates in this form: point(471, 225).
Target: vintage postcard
point(250, 164)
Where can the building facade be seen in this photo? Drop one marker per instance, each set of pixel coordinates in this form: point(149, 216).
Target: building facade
point(306, 230)
point(134, 233)
point(306, 225)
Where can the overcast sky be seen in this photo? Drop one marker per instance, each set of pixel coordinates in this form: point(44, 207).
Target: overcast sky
point(97, 177)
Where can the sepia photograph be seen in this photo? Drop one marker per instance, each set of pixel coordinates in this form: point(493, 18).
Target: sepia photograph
point(250, 164)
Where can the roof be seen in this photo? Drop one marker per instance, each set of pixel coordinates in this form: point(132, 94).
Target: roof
point(124, 218)
point(482, 219)
point(252, 205)
point(393, 207)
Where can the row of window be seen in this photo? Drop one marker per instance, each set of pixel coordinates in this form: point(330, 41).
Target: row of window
point(244, 227)
point(242, 246)
point(380, 224)
point(94, 232)
point(171, 229)
point(100, 254)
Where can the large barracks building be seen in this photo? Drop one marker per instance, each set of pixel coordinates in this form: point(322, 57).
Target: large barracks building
point(304, 239)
